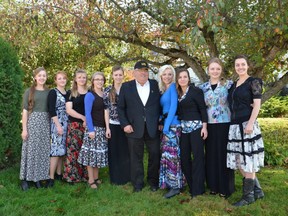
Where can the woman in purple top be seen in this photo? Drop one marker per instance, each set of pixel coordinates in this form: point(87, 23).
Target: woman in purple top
point(219, 178)
point(94, 151)
point(171, 175)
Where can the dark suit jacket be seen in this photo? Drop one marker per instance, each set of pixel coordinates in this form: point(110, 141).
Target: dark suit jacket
point(132, 111)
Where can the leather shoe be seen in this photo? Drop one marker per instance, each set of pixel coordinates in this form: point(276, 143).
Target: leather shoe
point(136, 190)
point(50, 183)
point(172, 192)
point(38, 184)
point(153, 188)
point(58, 177)
point(24, 185)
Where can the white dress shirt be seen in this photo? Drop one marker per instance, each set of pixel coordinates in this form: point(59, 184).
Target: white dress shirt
point(143, 91)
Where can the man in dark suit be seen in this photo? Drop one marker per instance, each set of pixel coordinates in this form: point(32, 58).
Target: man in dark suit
point(139, 109)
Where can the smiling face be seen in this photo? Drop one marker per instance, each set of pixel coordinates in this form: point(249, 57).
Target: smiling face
point(167, 76)
point(98, 82)
point(61, 80)
point(214, 71)
point(241, 67)
point(141, 75)
point(118, 76)
point(183, 79)
point(81, 79)
point(40, 78)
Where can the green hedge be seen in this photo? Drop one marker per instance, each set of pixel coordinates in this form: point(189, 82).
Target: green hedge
point(275, 135)
point(10, 105)
point(275, 107)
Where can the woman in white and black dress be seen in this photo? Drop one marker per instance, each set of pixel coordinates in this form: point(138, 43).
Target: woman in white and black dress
point(35, 132)
point(59, 122)
point(118, 152)
point(245, 150)
point(94, 151)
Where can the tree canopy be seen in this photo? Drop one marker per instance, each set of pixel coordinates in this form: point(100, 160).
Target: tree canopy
point(178, 32)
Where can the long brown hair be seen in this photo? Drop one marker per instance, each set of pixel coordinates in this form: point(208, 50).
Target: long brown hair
point(32, 88)
point(218, 61)
point(112, 93)
point(179, 89)
point(74, 89)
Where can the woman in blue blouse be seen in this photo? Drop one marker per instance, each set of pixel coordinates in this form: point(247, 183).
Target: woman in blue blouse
point(219, 178)
point(171, 175)
point(94, 151)
point(118, 152)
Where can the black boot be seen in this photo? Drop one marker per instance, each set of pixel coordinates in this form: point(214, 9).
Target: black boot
point(258, 192)
point(24, 185)
point(248, 193)
point(49, 183)
point(38, 184)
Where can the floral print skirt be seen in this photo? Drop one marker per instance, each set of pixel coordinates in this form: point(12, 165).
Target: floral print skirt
point(171, 175)
point(94, 152)
point(73, 171)
point(245, 151)
point(35, 159)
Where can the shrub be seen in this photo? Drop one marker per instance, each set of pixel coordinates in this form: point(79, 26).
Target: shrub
point(10, 104)
point(275, 135)
point(275, 107)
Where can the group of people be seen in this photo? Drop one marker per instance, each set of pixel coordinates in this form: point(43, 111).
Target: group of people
point(192, 134)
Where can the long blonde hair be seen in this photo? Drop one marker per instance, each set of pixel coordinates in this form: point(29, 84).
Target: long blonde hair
point(32, 88)
point(93, 77)
point(74, 89)
point(161, 71)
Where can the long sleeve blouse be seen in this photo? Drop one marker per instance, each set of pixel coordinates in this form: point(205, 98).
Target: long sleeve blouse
point(169, 102)
point(193, 106)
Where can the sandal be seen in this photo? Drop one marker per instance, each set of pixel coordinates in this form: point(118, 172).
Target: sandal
point(98, 181)
point(91, 185)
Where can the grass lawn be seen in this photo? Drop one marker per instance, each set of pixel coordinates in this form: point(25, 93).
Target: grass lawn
point(78, 199)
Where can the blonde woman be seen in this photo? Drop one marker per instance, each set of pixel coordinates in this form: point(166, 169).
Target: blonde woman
point(35, 132)
point(59, 121)
point(94, 151)
point(219, 178)
point(73, 171)
point(171, 176)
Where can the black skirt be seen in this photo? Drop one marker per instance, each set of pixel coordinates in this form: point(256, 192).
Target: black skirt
point(219, 178)
point(118, 156)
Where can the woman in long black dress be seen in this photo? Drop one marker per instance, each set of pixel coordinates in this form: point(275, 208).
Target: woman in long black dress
point(245, 144)
point(219, 178)
point(118, 152)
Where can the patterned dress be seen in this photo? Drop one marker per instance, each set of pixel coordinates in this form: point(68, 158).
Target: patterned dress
point(245, 151)
point(73, 171)
point(35, 160)
point(57, 107)
point(171, 175)
point(94, 152)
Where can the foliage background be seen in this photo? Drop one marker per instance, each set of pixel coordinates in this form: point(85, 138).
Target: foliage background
point(11, 91)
